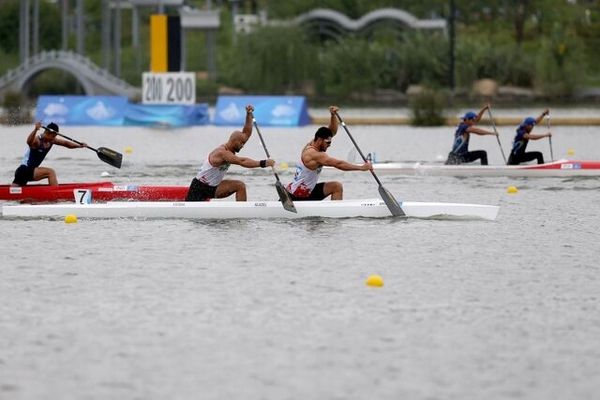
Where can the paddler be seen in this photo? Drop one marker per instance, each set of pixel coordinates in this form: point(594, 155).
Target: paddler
point(39, 146)
point(523, 136)
point(312, 159)
point(209, 183)
point(460, 153)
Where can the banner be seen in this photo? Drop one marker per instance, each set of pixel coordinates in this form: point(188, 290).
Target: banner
point(81, 110)
point(268, 110)
point(166, 115)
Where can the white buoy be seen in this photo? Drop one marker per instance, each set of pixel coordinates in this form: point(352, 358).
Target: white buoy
point(105, 174)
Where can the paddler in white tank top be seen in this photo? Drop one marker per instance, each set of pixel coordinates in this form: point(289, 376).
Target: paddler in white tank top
point(209, 182)
point(313, 158)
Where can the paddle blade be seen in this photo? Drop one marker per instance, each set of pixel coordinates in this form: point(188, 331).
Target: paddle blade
point(110, 156)
point(391, 202)
point(285, 198)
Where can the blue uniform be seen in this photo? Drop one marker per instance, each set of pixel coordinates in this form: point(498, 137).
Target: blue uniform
point(31, 160)
point(520, 143)
point(461, 140)
point(518, 154)
point(460, 148)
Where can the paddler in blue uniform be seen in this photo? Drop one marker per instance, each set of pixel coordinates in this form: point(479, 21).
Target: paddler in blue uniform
point(209, 183)
point(39, 146)
point(523, 136)
point(460, 153)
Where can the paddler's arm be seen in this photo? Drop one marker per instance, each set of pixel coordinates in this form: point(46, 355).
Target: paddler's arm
point(32, 139)
point(323, 159)
point(532, 136)
point(68, 144)
point(247, 130)
point(541, 117)
point(480, 114)
point(479, 131)
point(333, 121)
point(244, 161)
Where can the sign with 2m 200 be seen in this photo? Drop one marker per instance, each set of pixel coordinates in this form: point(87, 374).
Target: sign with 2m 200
point(169, 88)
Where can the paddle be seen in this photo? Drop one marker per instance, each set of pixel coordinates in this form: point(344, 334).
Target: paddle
point(387, 197)
point(497, 136)
point(107, 155)
point(549, 137)
point(284, 196)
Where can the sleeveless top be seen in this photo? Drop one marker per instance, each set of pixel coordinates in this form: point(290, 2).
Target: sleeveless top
point(461, 144)
point(305, 180)
point(210, 175)
point(520, 143)
point(34, 157)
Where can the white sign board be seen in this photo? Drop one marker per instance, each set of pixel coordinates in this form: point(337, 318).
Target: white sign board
point(168, 88)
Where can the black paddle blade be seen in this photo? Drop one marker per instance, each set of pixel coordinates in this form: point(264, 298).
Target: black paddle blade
point(391, 202)
point(110, 156)
point(285, 198)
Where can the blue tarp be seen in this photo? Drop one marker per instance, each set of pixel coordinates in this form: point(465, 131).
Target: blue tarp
point(268, 110)
point(116, 111)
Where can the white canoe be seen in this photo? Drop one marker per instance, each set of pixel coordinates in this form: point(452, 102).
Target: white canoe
point(369, 208)
point(560, 168)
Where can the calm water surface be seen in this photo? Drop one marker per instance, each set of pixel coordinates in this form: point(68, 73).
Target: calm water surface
point(180, 309)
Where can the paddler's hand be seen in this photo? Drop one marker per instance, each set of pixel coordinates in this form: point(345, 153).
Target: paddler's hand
point(549, 134)
point(546, 112)
point(270, 163)
point(38, 125)
point(333, 109)
point(249, 109)
point(366, 167)
point(82, 145)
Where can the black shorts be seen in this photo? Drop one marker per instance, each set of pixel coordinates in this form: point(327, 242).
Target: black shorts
point(200, 191)
point(316, 194)
point(23, 174)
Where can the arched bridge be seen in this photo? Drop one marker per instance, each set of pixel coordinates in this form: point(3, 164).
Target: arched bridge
point(93, 79)
point(334, 23)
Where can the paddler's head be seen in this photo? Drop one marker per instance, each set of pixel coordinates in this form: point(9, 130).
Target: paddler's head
point(528, 123)
point(323, 138)
point(469, 117)
point(236, 142)
point(50, 131)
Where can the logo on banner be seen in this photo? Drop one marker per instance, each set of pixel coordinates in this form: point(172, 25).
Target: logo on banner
point(283, 110)
point(231, 113)
point(56, 109)
point(100, 111)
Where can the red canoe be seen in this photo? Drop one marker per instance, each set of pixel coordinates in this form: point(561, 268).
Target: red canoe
point(101, 191)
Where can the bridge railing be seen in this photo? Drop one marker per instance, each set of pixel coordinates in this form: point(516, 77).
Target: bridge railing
point(66, 56)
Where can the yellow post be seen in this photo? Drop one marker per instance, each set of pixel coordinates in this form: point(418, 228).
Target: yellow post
point(158, 43)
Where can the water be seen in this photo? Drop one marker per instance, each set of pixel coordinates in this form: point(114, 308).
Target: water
point(130, 309)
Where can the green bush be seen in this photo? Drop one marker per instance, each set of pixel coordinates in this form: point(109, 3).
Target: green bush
point(269, 60)
point(427, 107)
point(558, 70)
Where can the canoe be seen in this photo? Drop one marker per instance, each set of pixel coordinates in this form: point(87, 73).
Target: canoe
point(101, 191)
point(369, 208)
point(559, 168)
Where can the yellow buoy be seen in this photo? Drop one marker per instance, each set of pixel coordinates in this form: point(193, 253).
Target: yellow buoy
point(512, 189)
point(375, 280)
point(571, 152)
point(283, 165)
point(71, 219)
point(128, 150)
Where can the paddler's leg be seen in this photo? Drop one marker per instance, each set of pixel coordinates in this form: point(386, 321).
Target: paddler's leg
point(228, 187)
point(42, 173)
point(335, 189)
